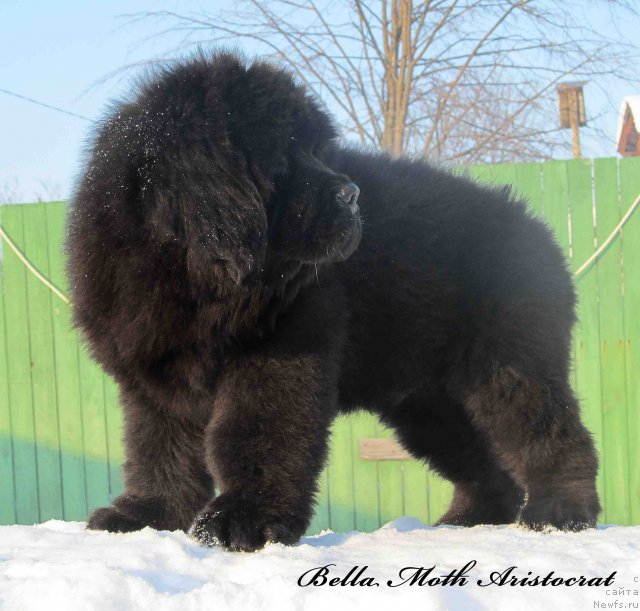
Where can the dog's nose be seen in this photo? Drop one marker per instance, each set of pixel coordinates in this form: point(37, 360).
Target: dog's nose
point(348, 195)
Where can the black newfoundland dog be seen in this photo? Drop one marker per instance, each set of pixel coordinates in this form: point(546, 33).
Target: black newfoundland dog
point(245, 278)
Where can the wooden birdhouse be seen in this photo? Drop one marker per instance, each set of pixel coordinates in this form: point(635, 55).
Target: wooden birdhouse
point(572, 112)
point(628, 126)
point(571, 101)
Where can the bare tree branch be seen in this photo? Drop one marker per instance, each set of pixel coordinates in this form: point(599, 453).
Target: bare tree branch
point(462, 80)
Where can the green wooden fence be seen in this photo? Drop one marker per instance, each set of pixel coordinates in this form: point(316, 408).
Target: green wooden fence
point(60, 447)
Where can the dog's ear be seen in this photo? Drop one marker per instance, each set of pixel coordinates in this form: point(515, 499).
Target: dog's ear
point(215, 211)
point(239, 232)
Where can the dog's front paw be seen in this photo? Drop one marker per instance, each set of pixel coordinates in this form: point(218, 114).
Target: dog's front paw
point(110, 519)
point(241, 524)
point(131, 512)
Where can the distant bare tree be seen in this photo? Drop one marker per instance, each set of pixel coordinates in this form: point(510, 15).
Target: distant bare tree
point(49, 191)
point(10, 191)
point(462, 80)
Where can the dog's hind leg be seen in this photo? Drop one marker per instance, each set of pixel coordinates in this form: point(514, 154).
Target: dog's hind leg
point(435, 428)
point(535, 429)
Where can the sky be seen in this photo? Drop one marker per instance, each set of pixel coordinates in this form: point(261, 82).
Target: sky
point(56, 52)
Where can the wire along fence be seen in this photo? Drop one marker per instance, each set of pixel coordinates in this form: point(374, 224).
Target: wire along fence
point(60, 422)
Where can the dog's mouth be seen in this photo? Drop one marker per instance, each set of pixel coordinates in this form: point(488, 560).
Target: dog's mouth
point(348, 239)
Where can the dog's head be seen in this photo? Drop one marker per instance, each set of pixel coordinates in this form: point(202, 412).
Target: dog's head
point(226, 158)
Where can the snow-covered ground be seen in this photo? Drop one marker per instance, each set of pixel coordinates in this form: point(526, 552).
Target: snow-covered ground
point(58, 565)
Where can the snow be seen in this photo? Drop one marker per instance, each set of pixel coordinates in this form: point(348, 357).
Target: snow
point(632, 102)
point(59, 565)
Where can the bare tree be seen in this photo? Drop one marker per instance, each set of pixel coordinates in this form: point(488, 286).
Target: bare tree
point(463, 80)
point(10, 191)
point(50, 191)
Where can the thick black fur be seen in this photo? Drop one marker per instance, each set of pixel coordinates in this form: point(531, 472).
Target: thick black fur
point(226, 275)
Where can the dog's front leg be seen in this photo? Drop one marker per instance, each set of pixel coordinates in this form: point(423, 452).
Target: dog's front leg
point(265, 447)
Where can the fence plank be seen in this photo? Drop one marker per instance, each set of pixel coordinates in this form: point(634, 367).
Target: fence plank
point(528, 182)
point(365, 475)
point(481, 173)
point(629, 190)
point(67, 381)
point(43, 381)
point(588, 384)
point(390, 484)
point(612, 353)
point(416, 496)
point(556, 201)
point(504, 174)
point(94, 431)
point(19, 368)
point(440, 494)
point(7, 499)
point(341, 501)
